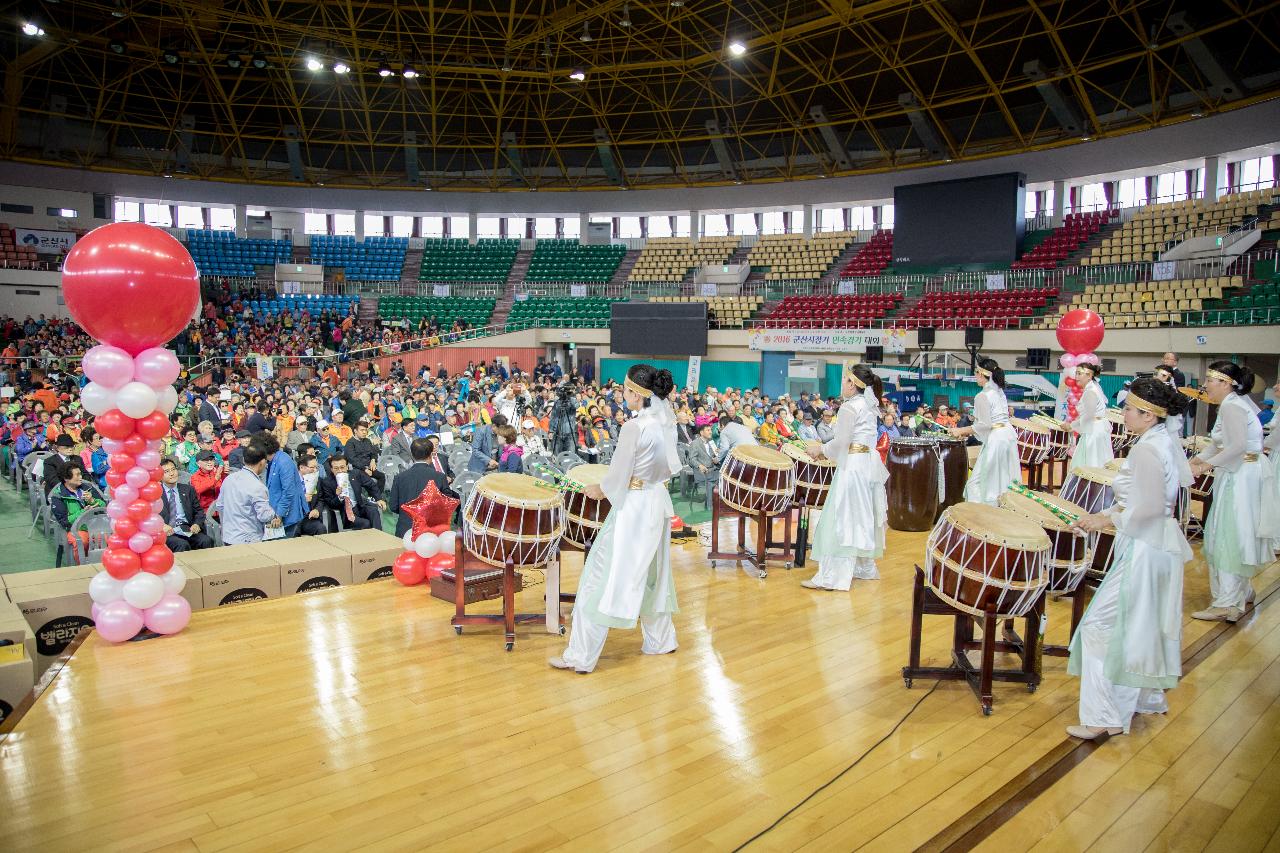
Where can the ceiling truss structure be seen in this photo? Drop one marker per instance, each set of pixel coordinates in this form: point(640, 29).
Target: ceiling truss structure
point(219, 89)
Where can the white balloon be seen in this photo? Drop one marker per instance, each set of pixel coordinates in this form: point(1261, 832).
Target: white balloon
point(136, 400)
point(174, 580)
point(448, 542)
point(144, 590)
point(408, 540)
point(104, 589)
point(427, 545)
point(167, 399)
point(97, 399)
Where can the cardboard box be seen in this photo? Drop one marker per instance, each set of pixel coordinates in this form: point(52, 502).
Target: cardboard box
point(17, 677)
point(232, 575)
point(307, 564)
point(40, 577)
point(56, 612)
point(14, 628)
point(372, 552)
point(193, 592)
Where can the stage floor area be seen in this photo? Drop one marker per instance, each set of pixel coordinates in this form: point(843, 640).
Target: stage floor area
point(355, 718)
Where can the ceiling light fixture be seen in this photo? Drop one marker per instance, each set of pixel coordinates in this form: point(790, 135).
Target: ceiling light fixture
point(1086, 139)
point(409, 71)
point(117, 48)
point(259, 60)
point(384, 70)
point(341, 67)
point(676, 4)
point(578, 74)
point(234, 60)
point(1197, 113)
point(586, 32)
point(506, 63)
point(314, 64)
point(546, 46)
point(170, 57)
point(32, 29)
point(737, 48)
point(626, 15)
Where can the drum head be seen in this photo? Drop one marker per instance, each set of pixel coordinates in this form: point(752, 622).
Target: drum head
point(1196, 443)
point(799, 455)
point(1023, 505)
point(761, 457)
point(588, 475)
point(517, 490)
point(1104, 476)
point(1000, 526)
point(1029, 426)
point(910, 441)
point(1051, 423)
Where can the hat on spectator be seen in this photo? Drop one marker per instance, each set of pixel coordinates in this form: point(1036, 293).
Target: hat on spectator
point(527, 424)
point(206, 456)
point(244, 433)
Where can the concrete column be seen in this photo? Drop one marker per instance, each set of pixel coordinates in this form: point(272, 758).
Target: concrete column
point(242, 220)
point(584, 220)
point(1215, 178)
point(1059, 203)
point(806, 214)
point(471, 228)
point(695, 225)
point(359, 225)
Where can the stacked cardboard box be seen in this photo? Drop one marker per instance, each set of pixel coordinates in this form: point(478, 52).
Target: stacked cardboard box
point(55, 604)
point(232, 575)
point(372, 552)
point(307, 564)
point(17, 658)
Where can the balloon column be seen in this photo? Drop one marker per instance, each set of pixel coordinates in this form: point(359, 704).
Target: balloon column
point(133, 287)
point(429, 544)
point(1079, 332)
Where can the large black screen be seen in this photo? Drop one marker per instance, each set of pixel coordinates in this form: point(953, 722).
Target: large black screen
point(970, 221)
point(658, 328)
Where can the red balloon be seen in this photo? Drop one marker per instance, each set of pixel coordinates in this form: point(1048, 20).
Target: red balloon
point(130, 285)
point(1080, 331)
point(149, 492)
point(157, 559)
point(409, 568)
point(153, 426)
point(139, 510)
point(113, 424)
point(121, 563)
point(120, 461)
point(438, 563)
point(117, 541)
point(134, 444)
point(125, 527)
point(114, 477)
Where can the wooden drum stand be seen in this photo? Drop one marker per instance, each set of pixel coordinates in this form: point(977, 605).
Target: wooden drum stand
point(925, 602)
point(766, 545)
point(465, 563)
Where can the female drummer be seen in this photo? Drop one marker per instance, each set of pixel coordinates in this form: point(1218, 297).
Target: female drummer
point(1236, 544)
point(1127, 649)
point(628, 572)
point(1173, 424)
point(849, 536)
point(997, 465)
point(1093, 429)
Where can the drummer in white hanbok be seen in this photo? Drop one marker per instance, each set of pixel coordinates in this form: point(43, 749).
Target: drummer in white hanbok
point(1238, 534)
point(1127, 649)
point(1174, 423)
point(627, 575)
point(1091, 425)
point(849, 535)
point(997, 466)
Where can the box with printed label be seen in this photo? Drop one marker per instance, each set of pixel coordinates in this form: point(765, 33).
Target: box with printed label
point(14, 628)
point(307, 564)
point(40, 577)
point(56, 612)
point(372, 552)
point(17, 677)
point(232, 575)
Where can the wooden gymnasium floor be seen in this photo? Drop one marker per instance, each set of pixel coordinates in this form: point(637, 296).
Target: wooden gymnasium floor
point(356, 718)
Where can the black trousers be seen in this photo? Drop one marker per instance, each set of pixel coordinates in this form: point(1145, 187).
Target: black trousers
point(195, 542)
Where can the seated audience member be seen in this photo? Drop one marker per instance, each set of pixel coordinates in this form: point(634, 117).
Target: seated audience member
point(70, 498)
point(360, 449)
point(207, 478)
point(509, 452)
point(410, 482)
point(314, 523)
point(352, 494)
point(184, 521)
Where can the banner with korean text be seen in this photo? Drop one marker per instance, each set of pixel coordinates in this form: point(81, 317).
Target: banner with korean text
point(828, 340)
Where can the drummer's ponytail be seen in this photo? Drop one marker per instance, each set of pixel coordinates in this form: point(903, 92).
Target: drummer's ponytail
point(1241, 376)
point(993, 367)
point(1158, 393)
point(660, 382)
point(868, 377)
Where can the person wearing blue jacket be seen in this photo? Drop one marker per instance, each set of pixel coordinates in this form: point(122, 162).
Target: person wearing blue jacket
point(285, 490)
point(326, 445)
point(484, 451)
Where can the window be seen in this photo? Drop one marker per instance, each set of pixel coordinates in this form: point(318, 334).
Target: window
point(886, 217)
point(516, 226)
point(433, 226)
point(126, 211)
point(830, 219)
point(344, 224)
point(659, 226)
point(572, 228)
point(629, 227)
point(459, 227)
point(64, 212)
point(224, 218)
point(1171, 186)
point(402, 226)
point(487, 226)
point(1029, 208)
point(1255, 174)
point(1133, 192)
point(544, 227)
point(315, 223)
point(375, 225)
point(190, 217)
point(773, 222)
point(862, 218)
point(159, 215)
point(254, 211)
point(1092, 197)
point(744, 223)
point(682, 226)
point(714, 225)
point(8, 207)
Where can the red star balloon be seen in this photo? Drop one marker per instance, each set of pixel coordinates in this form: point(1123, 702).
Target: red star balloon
point(429, 509)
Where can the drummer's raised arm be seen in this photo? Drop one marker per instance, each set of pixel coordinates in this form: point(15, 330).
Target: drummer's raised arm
point(838, 447)
point(618, 479)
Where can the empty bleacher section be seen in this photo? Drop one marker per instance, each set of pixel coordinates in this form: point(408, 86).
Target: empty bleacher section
point(457, 259)
point(1063, 241)
point(671, 258)
point(726, 312)
point(223, 253)
point(312, 304)
point(986, 309)
point(1260, 306)
point(573, 313)
point(1157, 227)
point(871, 258)
point(474, 311)
point(374, 259)
point(792, 257)
point(1148, 303)
point(803, 312)
point(571, 261)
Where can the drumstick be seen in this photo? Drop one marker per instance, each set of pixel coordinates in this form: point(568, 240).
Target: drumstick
point(1061, 514)
point(562, 482)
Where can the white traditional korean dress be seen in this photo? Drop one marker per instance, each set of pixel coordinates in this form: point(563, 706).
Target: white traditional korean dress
point(997, 465)
point(1093, 430)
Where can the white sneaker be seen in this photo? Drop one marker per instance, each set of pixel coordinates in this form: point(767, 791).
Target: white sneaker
point(811, 584)
point(561, 663)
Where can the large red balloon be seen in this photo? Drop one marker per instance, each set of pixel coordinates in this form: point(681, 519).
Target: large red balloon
point(409, 568)
point(153, 426)
point(113, 424)
point(1080, 331)
point(130, 285)
point(157, 559)
point(121, 563)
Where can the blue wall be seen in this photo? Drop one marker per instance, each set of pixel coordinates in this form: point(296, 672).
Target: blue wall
point(773, 373)
point(718, 374)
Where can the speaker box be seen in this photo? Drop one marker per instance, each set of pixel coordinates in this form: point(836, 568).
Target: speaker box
point(874, 354)
point(972, 336)
point(925, 336)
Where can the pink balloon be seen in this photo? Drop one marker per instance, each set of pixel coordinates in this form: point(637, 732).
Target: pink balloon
point(1089, 358)
point(118, 621)
point(157, 506)
point(125, 493)
point(156, 367)
point(113, 445)
point(169, 616)
point(117, 509)
point(140, 542)
point(148, 459)
point(137, 476)
point(152, 525)
point(1069, 360)
point(95, 611)
point(155, 444)
point(111, 367)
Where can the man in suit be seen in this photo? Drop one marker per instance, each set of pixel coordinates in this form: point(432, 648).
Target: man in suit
point(181, 512)
point(355, 495)
point(207, 411)
point(438, 460)
point(398, 446)
point(58, 460)
point(685, 431)
point(410, 482)
point(704, 458)
point(484, 450)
